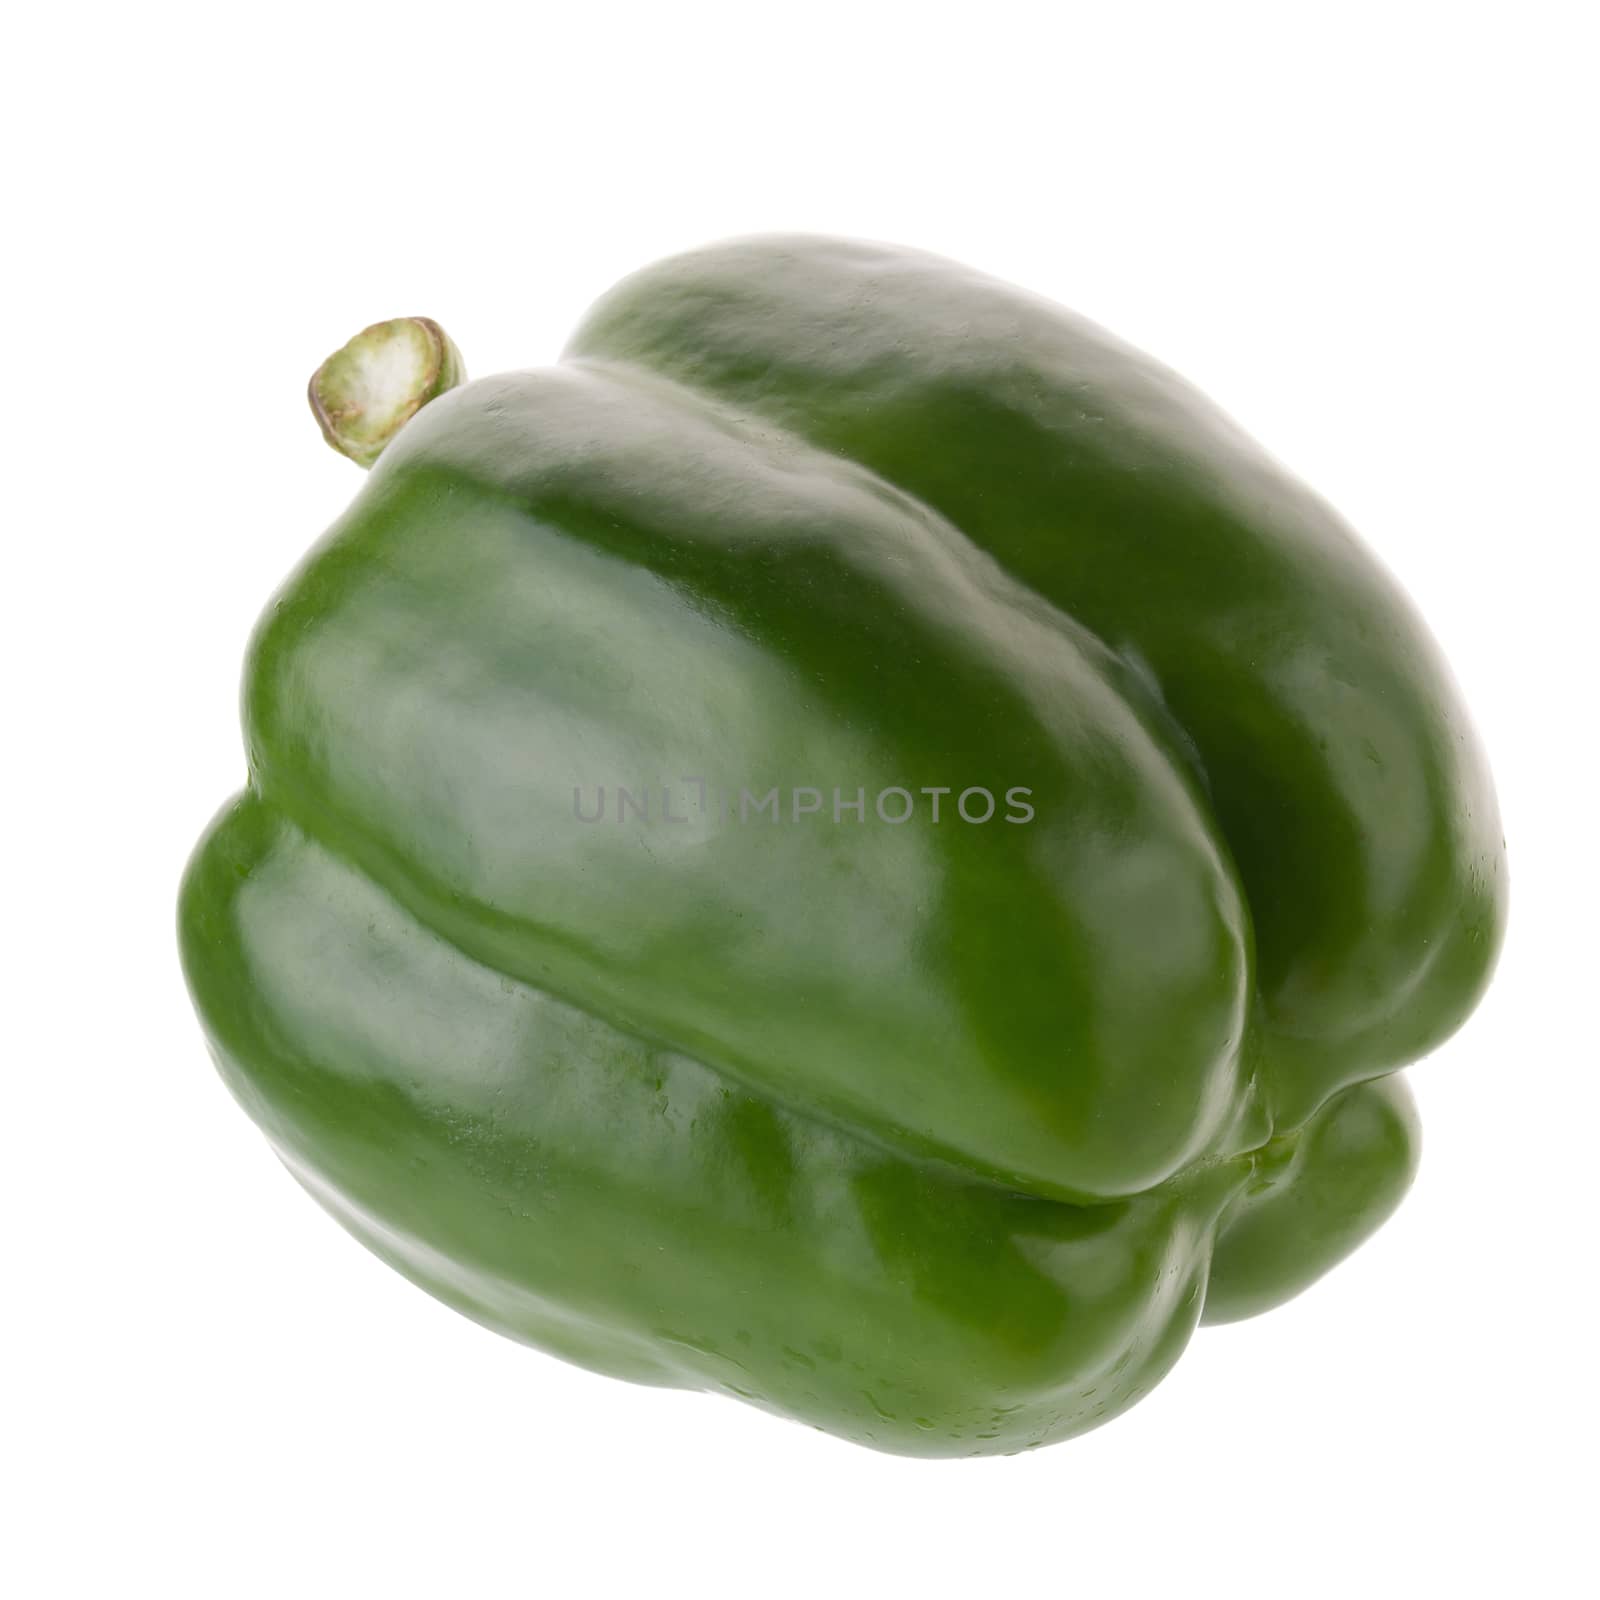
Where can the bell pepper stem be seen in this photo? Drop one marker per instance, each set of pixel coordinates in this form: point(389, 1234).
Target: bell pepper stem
point(364, 393)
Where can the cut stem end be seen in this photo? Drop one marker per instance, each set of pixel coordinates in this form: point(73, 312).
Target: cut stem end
point(364, 394)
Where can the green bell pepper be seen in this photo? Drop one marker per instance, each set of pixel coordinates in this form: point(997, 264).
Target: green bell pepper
point(854, 844)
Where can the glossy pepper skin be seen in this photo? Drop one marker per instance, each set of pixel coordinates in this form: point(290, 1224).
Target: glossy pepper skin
point(937, 1135)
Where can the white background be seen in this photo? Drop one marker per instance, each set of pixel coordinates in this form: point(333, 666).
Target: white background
point(1361, 228)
